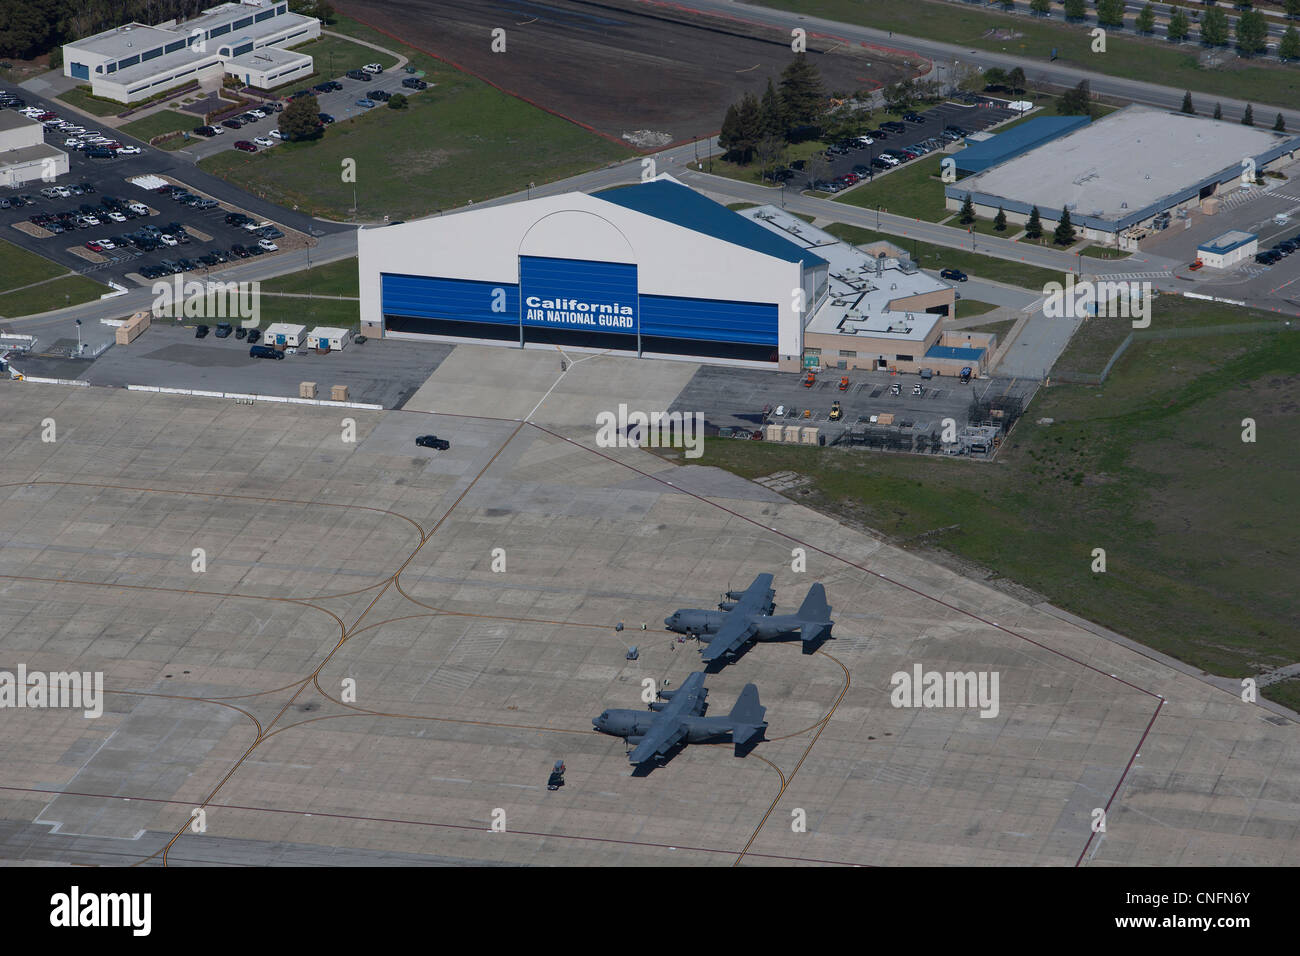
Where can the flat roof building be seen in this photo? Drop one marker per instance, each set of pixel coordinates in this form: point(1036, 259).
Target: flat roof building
point(1225, 251)
point(24, 155)
point(1000, 147)
point(136, 61)
point(1124, 170)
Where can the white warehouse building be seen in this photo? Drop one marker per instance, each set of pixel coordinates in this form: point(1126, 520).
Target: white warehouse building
point(653, 269)
point(135, 61)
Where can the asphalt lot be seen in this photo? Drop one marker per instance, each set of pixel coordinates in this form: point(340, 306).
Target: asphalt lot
point(109, 176)
point(972, 118)
point(341, 105)
point(379, 372)
point(735, 398)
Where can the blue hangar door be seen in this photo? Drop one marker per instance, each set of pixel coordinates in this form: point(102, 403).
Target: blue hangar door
point(579, 302)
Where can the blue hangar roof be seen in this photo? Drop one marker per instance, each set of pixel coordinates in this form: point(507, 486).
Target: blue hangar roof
point(978, 157)
point(683, 206)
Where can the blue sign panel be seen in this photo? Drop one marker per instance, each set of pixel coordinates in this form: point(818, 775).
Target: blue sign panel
point(460, 300)
point(578, 295)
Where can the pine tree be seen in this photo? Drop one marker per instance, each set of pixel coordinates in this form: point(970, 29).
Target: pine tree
point(803, 95)
point(1252, 32)
point(1041, 7)
point(967, 211)
point(748, 127)
point(1000, 220)
point(1075, 9)
point(1179, 26)
point(1218, 111)
point(1077, 102)
point(1248, 117)
point(771, 117)
point(1064, 235)
point(1288, 48)
point(1214, 27)
point(1034, 225)
point(1146, 20)
point(727, 136)
point(1279, 124)
point(1187, 103)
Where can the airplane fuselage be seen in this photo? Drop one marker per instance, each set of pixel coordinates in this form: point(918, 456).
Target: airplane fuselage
point(634, 723)
point(704, 624)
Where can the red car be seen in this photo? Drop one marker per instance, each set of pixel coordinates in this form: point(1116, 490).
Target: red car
point(94, 246)
point(47, 115)
point(246, 146)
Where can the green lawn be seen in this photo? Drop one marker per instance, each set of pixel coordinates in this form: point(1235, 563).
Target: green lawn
point(166, 121)
point(334, 56)
point(940, 257)
point(335, 278)
point(1129, 468)
point(1103, 252)
point(58, 294)
point(89, 104)
point(1126, 56)
point(459, 141)
point(18, 267)
point(969, 308)
point(1000, 329)
point(914, 190)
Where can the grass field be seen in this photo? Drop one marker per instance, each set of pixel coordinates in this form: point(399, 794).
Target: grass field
point(1129, 468)
point(940, 257)
point(459, 141)
point(914, 190)
point(1103, 252)
point(166, 121)
point(334, 56)
point(1127, 56)
point(335, 278)
point(969, 308)
point(56, 294)
point(89, 104)
point(18, 267)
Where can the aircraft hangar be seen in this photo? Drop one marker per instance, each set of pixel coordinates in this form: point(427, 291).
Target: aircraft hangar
point(653, 269)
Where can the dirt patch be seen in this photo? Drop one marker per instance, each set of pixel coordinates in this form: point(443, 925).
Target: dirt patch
point(644, 73)
point(200, 236)
point(32, 230)
point(87, 254)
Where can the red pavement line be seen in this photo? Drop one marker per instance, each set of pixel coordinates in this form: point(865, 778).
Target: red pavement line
point(1115, 793)
point(418, 823)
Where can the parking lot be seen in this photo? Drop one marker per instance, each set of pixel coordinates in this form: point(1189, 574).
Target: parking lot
point(859, 160)
point(340, 104)
point(110, 177)
point(736, 398)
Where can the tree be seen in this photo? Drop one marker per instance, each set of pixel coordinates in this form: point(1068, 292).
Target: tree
point(1064, 235)
point(1218, 111)
point(1248, 117)
point(28, 28)
point(1288, 48)
point(1252, 32)
point(1000, 220)
point(771, 119)
point(1110, 13)
point(748, 128)
point(967, 211)
point(312, 8)
point(1179, 26)
point(727, 136)
point(1292, 7)
point(1075, 10)
point(1043, 8)
point(299, 119)
point(1214, 27)
point(1146, 20)
point(1279, 124)
point(803, 95)
point(994, 78)
point(397, 101)
point(1077, 102)
point(1033, 225)
point(1017, 80)
point(1187, 103)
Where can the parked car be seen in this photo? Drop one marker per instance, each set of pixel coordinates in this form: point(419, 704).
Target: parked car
point(956, 275)
point(365, 103)
point(201, 332)
point(374, 69)
point(382, 96)
point(433, 441)
point(266, 245)
point(254, 335)
point(224, 329)
point(836, 412)
point(263, 351)
point(414, 83)
point(263, 141)
point(325, 118)
point(245, 145)
point(357, 75)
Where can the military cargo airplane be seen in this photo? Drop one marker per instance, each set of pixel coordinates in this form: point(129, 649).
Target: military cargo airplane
point(747, 615)
point(653, 733)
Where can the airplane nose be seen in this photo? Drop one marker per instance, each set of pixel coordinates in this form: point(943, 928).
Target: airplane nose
point(668, 621)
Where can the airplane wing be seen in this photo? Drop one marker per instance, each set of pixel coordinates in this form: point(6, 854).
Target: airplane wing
point(668, 728)
point(756, 596)
point(735, 631)
point(660, 739)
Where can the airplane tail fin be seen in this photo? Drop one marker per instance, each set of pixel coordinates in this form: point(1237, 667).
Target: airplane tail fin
point(748, 710)
point(814, 615)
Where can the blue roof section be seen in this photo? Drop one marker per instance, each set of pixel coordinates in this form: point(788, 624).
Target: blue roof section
point(683, 206)
point(949, 352)
point(1021, 139)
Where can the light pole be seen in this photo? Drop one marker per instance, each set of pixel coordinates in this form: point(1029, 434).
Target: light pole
point(877, 219)
point(78, 334)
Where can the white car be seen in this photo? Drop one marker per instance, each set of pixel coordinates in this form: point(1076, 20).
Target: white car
point(106, 243)
point(268, 245)
point(117, 217)
point(865, 140)
point(374, 69)
point(63, 191)
point(218, 131)
point(72, 144)
point(276, 134)
point(139, 208)
point(263, 141)
point(167, 239)
point(129, 151)
point(260, 114)
point(780, 411)
point(91, 220)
